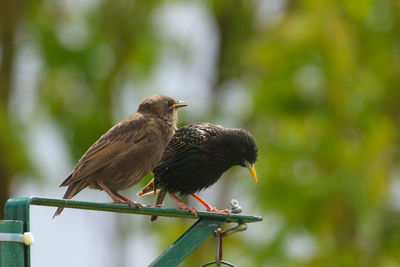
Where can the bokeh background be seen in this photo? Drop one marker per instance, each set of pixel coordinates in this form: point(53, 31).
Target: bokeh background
point(317, 82)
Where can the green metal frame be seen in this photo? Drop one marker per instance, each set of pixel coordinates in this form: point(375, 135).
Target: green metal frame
point(17, 209)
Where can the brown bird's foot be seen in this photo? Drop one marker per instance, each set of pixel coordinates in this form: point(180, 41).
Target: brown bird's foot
point(118, 198)
point(156, 206)
point(182, 205)
point(208, 206)
point(128, 201)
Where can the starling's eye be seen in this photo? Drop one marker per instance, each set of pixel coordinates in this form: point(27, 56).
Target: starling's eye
point(169, 103)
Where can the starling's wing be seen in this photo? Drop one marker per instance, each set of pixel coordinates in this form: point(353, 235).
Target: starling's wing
point(188, 146)
point(121, 137)
point(186, 138)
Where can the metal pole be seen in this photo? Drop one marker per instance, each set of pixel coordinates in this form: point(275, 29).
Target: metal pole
point(11, 252)
point(190, 240)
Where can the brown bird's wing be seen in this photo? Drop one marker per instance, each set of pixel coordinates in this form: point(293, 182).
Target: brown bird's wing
point(118, 139)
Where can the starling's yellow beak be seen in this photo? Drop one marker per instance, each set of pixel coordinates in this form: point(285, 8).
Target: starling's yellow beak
point(179, 104)
point(252, 170)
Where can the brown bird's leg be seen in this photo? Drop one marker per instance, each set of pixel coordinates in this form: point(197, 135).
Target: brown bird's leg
point(110, 193)
point(208, 206)
point(182, 205)
point(118, 197)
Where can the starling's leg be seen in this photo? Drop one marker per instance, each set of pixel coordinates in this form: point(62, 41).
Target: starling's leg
point(208, 206)
point(182, 205)
point(117, 198)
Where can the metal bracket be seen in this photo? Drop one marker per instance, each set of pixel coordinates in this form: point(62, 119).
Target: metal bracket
point(26, 238)
point(219, 233)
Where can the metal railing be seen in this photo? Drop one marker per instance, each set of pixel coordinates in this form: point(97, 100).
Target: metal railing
point(15, 239)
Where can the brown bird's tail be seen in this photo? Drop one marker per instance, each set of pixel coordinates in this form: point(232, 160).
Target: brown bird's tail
point(72, 190)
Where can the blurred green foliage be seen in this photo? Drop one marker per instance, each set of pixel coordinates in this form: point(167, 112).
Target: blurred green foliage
point(324, 80)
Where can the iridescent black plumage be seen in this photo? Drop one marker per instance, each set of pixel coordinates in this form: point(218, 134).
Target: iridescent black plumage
point(198, 155)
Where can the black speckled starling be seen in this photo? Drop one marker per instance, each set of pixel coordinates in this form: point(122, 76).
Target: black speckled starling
point(127, 152)
point(196, 157)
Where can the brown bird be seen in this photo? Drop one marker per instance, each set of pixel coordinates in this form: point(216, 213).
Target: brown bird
point(127, 152)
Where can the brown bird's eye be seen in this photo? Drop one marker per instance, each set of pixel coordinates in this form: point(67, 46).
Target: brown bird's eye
point(170, 104)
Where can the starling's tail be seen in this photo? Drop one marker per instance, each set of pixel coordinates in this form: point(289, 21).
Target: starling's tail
point(159, 201)
point(148, 189)
point(72, 190)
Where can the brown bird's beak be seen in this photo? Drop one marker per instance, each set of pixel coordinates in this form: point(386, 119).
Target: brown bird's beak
point(179, 104)
point(252, 170)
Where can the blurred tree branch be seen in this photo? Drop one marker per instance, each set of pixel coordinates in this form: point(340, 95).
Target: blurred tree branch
point(11, 13)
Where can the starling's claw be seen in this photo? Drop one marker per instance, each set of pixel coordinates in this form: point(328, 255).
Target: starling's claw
point(189, 208)
point(182, 205)
point(208, 206)
point(212, 209)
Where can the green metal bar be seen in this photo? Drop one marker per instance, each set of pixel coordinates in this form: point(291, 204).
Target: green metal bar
point(18, 209)
point(190, 240)
point(11, 253)
point(20, 206)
